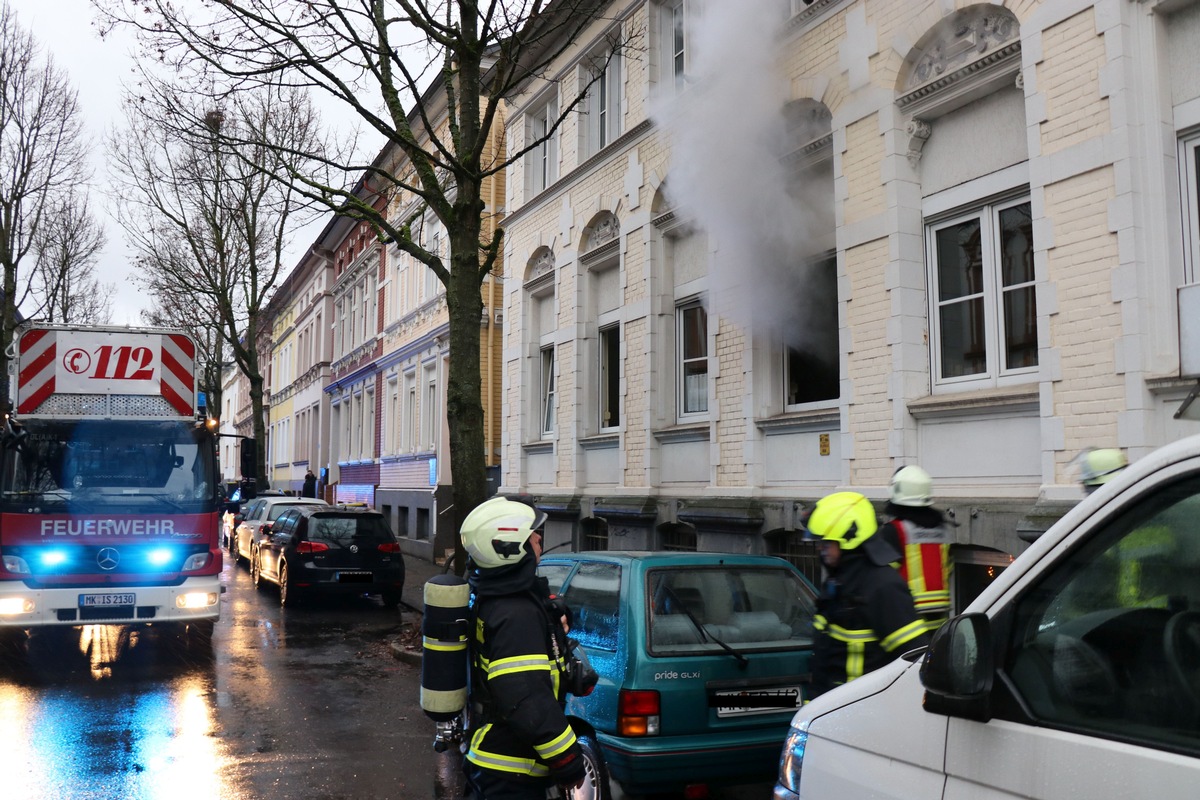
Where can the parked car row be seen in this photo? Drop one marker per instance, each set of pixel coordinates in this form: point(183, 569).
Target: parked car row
point(305, 546)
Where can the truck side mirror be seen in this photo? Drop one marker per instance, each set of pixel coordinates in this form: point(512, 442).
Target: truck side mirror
point(959, 667)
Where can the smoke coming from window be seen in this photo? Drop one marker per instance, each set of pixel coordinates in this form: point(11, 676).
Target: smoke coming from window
point(765, 217)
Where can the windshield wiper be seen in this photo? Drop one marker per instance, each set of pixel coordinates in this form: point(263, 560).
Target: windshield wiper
point(743, 662)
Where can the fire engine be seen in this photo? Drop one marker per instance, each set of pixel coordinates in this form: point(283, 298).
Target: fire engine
point(108, 483)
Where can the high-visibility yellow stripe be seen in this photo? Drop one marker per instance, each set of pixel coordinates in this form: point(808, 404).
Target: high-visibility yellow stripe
point(909, 632)
point(855, 659)
point(443, 645)
point(556, 746)
point(499, 761)
point(526, 663)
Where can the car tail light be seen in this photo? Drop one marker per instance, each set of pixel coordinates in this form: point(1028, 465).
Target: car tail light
point(311, 547)
point(638, 712)
point(389, 547)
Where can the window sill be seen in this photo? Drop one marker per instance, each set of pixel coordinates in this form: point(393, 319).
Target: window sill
point(601, 441)
point(686, 432)
point(798, 421)
point(534, 448)
point(1018, 399)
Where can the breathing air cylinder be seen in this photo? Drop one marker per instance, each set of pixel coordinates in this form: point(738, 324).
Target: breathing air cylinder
point(444, 629)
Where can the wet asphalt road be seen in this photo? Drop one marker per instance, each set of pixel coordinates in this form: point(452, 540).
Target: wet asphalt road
point(295, 704)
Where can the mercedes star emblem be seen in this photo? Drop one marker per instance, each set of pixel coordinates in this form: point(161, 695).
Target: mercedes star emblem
point(353, 548)
point(108, 558)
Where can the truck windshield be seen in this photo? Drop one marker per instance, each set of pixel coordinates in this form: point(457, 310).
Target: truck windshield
point(82, 466)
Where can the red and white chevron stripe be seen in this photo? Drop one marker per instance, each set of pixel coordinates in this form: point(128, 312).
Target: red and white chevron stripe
point(80, 361)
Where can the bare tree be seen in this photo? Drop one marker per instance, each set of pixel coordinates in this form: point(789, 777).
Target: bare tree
point(42, 156)
point(66, 247)
point(208, 222)
point(170, 309)
point(379, 60)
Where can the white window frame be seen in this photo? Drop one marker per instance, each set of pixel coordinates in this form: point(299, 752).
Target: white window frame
point(547, 380)
point(609, 373)
point(1189, 177)
point(409, 430)
point(392, 417)
point(604, 106)
point(368, 445)
point(677, 19)
point(434, 245)
point(683, 360)
point(994, 374)
point(429, 409)
point(541, 162)
point(824, 262)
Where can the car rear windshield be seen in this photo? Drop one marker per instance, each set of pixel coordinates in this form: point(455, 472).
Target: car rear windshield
point(747, 608)
point(347, 529)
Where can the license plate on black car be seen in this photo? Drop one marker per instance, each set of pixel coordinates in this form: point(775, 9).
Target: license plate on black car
point(355, 577)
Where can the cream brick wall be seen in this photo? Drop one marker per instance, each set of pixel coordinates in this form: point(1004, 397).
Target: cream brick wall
point(1081, 265)
point(862, 165)
point(1069, 79)
point(868, 363)
point(732, 342)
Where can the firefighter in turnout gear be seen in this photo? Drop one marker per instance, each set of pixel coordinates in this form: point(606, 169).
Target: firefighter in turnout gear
point(865, 616)
point(521, 743)
point(922, 536)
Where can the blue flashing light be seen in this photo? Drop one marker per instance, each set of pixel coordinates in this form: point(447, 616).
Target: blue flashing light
point(53, 558)
point(160, 557)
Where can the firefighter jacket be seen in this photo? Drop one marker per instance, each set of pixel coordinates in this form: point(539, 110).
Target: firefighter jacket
point(923, 538)
point(518, 653)
point(865, 619)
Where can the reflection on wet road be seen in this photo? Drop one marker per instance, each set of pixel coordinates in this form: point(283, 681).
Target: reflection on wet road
point(296, 703)
point(102, 708)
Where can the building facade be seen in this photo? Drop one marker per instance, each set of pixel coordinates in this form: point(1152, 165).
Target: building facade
point(785, 250)
point(301, 342)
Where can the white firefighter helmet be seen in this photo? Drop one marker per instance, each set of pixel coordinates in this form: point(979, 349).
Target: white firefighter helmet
point(496, 531)
point(912, 486)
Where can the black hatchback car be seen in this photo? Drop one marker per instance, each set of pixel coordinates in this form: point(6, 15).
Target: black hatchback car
point(329, 549)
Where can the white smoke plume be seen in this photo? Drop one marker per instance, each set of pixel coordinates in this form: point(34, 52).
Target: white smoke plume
point(728, 130)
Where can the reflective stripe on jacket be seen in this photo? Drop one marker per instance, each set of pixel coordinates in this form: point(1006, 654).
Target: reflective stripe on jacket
point(926, 565)
point(515, 667)
point(865, 618)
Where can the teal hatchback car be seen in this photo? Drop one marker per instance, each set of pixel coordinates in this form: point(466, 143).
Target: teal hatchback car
point(702, 658)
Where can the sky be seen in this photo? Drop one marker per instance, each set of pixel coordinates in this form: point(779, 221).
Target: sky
point(97, 67)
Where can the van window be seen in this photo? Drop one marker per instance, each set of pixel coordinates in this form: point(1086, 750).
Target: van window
point(1108, 642)
point(744, 607)
point(594, 595)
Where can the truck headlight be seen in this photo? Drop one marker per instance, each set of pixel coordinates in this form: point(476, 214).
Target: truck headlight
point(791, 760)
point(197, 561)
point(16, 565)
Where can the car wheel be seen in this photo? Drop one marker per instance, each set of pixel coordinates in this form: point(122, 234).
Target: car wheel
point(595, 768)
point(256, 569)
point(289, 596)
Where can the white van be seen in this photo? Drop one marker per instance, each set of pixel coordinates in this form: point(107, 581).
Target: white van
point(1076, 674)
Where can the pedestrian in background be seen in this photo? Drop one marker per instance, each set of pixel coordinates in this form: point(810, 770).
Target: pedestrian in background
point(310, 484)
point(865, 615)
point(923, 536)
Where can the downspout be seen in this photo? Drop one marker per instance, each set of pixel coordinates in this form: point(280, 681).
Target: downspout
point(489, 415)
